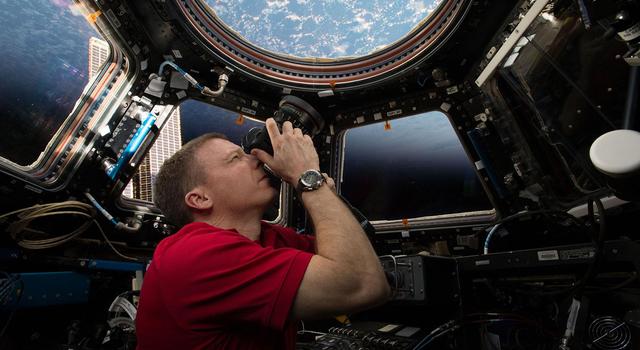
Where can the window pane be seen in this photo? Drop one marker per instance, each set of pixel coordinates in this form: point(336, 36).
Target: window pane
point(199, 118)
point(45, 65)
point(307, 28)
point(416, 168)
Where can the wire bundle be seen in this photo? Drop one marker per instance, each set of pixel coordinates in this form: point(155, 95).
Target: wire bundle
point(22, 228)
point(480, 318)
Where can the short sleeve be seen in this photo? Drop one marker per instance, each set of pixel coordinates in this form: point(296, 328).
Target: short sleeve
point(225, 278)
point(279, 236)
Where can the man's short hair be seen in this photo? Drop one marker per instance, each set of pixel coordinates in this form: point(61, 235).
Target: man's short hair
point(178, 175)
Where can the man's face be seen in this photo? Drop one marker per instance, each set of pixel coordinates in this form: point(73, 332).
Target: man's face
point(236, 180)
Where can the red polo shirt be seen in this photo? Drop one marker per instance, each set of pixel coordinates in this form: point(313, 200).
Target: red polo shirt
point(210, 288)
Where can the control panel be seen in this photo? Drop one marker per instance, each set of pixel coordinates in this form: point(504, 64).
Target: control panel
point(367, 336)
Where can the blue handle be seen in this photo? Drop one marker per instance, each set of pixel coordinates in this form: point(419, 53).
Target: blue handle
point(133, 146)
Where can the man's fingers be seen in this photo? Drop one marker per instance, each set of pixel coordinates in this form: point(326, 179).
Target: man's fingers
point(272, 129)
point(330, 182)
point(262, 156)
point(287, 128)
point(297, 132)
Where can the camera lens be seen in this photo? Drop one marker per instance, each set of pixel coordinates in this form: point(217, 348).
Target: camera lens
point(293, 109)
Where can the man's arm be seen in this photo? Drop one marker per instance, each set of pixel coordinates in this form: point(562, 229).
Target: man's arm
point(345, 275)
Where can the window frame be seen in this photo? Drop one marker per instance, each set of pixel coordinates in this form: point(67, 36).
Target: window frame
point(99, 100)
point(318, 74)
point(470, 218)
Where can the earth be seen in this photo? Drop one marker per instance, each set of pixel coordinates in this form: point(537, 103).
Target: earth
point(328, 28)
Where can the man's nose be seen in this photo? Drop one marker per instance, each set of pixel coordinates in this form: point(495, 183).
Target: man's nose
point(255, 162)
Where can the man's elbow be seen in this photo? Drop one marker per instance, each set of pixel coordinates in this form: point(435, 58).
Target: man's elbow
point(382, 292)
point(374, 291)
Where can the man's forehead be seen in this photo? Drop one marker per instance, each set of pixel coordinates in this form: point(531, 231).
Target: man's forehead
point(218, 148)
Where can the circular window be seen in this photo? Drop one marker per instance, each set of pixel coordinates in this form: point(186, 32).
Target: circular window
point(323, 29)
point(313, 45)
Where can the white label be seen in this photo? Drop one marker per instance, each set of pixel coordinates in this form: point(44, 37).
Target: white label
point(177, 53)
point(395, 112)
point(104, 130)
point(248, 111)
point(547, 255)
point(114, 20)
point(360, 120)
point(377, 116)
point(388, 328)
point(483, 262)
point(630, 33)
point(325, 93)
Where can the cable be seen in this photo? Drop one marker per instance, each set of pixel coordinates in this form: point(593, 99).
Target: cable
point(599, 246)
point(537, 212)
point(577, 288)
point(453, 325)
point(396, 277)
point(436, 333)
point(223, 79)
point(120, 226)
point(488, 239)
point(632, 278)
point(111, 245)
point(27, 215)
point(498, 224)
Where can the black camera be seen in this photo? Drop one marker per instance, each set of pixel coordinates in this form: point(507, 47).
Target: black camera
point(293, 109)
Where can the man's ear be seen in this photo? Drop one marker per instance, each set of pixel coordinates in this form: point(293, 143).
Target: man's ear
point(198, 199)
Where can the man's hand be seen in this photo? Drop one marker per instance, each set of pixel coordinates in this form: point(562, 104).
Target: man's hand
point(330, 182)
point(293, 152)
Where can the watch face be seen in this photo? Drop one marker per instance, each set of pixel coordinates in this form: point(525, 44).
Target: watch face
point(311, 178)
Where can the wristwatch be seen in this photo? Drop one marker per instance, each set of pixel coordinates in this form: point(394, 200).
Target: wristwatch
point(310, 180)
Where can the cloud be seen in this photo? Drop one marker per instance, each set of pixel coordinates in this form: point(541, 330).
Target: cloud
point(294, 17)
point(277, 3)
point(340, 49)
point(363, 24)
point(417, 6)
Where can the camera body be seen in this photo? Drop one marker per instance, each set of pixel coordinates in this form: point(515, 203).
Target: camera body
point(293, 109)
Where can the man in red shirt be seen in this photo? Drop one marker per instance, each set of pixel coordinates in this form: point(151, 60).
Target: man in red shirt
point(227, 280)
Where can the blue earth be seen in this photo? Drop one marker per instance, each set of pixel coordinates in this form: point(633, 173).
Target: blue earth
point(328, 29)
